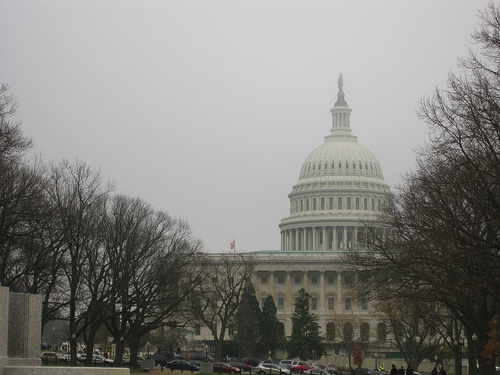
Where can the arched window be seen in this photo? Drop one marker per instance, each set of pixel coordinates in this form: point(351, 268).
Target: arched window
point(339, 203)
point(322, 203)
point(330, 331)
point(373, 204)
point(381, 332)
point(366, 204)
point(349, 203)
point(307, 204)
point(331, 203)
point(348, 332)
point(364, 331)
point(301, 205)
point(357, 203)
point(314, 204)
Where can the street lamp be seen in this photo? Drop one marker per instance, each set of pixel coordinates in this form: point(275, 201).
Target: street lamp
point(436, 360)
point(147, 346)
point(474, 340)
point(313, 356)
point(205, 349)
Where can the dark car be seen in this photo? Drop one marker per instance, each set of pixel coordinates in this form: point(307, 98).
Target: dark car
point(160, 359)
point(221, 367)
point(180, 364)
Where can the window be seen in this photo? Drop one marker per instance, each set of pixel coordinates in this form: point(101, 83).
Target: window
point(307, 204)
point(366, 204)
point(339, 203)
point(331, 303)
point(281, 303)
point(364, 332)
point(373, 204)
point(330, 331)
point(263, 280)
point(348, 303)
point(314, 280)
point(322, 203)
point(381, 332)
point(314, 303)
point(314, 204)
point(197, 329)
point(357, 203)
point(331, 279)
point(364, 303)
point(348, 331)
point(297, 280)
point(331, 204)
point(281, 279)
point(348, 203)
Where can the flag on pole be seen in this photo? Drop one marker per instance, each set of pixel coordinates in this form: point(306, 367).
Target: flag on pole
point(233, 244)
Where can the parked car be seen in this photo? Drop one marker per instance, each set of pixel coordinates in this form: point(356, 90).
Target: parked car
point(254, 362)
point(271, 369)
point(330, 369)
point(97, 359)
point(220, 367)
point(52, 357)
point(315, 370)
point(240, 365)
point(286, 362)
point(180, 364)
point(301, 366)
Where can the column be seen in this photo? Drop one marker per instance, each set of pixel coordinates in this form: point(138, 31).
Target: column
point(314, 245)
point(334, 238)
point(288, 299)
point(271, 284)
point(344, 237)
point(304, 238)
point(325, 239)
point(322, 308)
point(339, 292)
point(297, 238)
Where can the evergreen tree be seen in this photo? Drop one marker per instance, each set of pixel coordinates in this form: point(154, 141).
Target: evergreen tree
point(248, 320)
point(272, 330)
point(305, 330)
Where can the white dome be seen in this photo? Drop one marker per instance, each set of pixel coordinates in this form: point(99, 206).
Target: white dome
point(340, 189)
point(341, 157)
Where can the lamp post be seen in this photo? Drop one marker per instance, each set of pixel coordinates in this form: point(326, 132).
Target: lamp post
point(376, 361)
point(474, 340)
point(147, 347)
point(313, 356)
point(436, 360)
point(205, 349)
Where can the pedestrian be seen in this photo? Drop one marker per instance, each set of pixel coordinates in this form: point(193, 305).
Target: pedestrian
point(394, 370)
point(409, 371)
point(401, 371)
point(434, 371)
point(442, 371)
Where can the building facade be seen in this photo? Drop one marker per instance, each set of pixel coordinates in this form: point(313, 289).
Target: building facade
point(340, 192)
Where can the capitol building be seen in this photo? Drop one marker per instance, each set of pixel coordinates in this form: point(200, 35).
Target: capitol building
point(339, 194)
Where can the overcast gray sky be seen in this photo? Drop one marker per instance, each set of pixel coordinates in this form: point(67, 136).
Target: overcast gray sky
point(206, 109)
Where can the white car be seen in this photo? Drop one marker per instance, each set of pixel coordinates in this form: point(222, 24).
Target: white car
point(271, 369)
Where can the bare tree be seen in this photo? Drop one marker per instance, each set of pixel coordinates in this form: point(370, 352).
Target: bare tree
point(77, 195)
point(151, 257)
point(445, 239)
point(219, 296)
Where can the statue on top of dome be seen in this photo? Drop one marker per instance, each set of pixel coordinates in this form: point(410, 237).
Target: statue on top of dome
point(340, 96)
